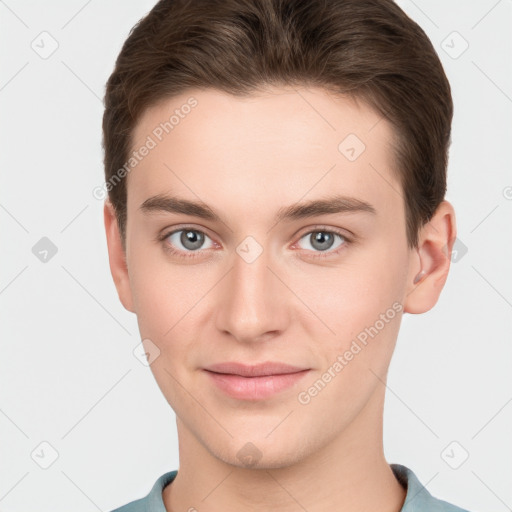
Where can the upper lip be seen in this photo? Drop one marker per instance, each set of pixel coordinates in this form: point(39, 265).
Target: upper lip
point(256, 370)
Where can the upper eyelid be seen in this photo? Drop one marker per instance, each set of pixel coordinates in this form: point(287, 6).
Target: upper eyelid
point(167, 233)
point(337, 231)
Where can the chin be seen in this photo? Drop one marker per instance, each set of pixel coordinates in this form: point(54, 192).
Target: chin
point(261, 454)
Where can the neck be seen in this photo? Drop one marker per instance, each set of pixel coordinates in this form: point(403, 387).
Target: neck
point(349, 473)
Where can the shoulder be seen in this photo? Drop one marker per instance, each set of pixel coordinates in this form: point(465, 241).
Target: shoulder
point(153, 501)
point(134, 506)
point(418, 499)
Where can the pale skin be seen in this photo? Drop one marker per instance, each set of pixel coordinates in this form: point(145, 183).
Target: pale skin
point(246, 158)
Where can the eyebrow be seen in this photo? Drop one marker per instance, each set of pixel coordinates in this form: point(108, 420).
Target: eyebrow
point(330, 205)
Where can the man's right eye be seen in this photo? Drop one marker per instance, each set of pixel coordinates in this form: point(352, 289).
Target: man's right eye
point(179, 242)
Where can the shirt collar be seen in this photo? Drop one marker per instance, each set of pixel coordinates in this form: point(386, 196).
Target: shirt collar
point(417, 497)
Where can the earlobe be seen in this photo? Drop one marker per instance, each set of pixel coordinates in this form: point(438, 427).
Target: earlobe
point(117, 257)
point(431, 260)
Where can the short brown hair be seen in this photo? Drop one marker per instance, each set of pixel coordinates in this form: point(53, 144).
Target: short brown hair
point(368, 49)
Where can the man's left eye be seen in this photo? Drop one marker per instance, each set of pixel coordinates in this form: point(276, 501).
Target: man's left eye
point(323, 240)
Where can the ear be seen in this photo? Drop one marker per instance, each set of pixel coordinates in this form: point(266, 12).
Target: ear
point(117, 257)
point(430, 262)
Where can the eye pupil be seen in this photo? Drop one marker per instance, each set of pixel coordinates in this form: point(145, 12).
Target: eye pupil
point(192, 239)
point(322, 240)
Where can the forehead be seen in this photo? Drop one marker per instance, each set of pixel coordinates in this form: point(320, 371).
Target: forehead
point(303, 113)
point(286, 140)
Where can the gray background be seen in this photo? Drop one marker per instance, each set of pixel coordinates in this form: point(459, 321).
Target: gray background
point(68, 375)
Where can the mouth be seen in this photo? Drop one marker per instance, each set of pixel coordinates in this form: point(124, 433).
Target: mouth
point(254, 382)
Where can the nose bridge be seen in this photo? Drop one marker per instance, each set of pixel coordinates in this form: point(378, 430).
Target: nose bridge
point(249, 306)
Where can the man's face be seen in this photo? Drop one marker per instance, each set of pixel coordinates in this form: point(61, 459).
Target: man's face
point(250, 286)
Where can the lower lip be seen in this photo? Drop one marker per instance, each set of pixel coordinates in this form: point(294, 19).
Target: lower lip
point(255, 388)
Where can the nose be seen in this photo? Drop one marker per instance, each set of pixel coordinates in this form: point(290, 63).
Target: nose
point(252, 301)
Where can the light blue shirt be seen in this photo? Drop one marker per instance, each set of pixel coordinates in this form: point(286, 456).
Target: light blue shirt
point(417, 499)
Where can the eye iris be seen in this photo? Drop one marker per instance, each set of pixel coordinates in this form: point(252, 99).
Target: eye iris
point(192, 239)
point(322, 240)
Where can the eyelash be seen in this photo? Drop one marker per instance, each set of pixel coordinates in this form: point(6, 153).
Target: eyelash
point(195, 254)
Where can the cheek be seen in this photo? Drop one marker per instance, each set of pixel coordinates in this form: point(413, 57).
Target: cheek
point(349, 297)
point(164, 293)
point(361, 303)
